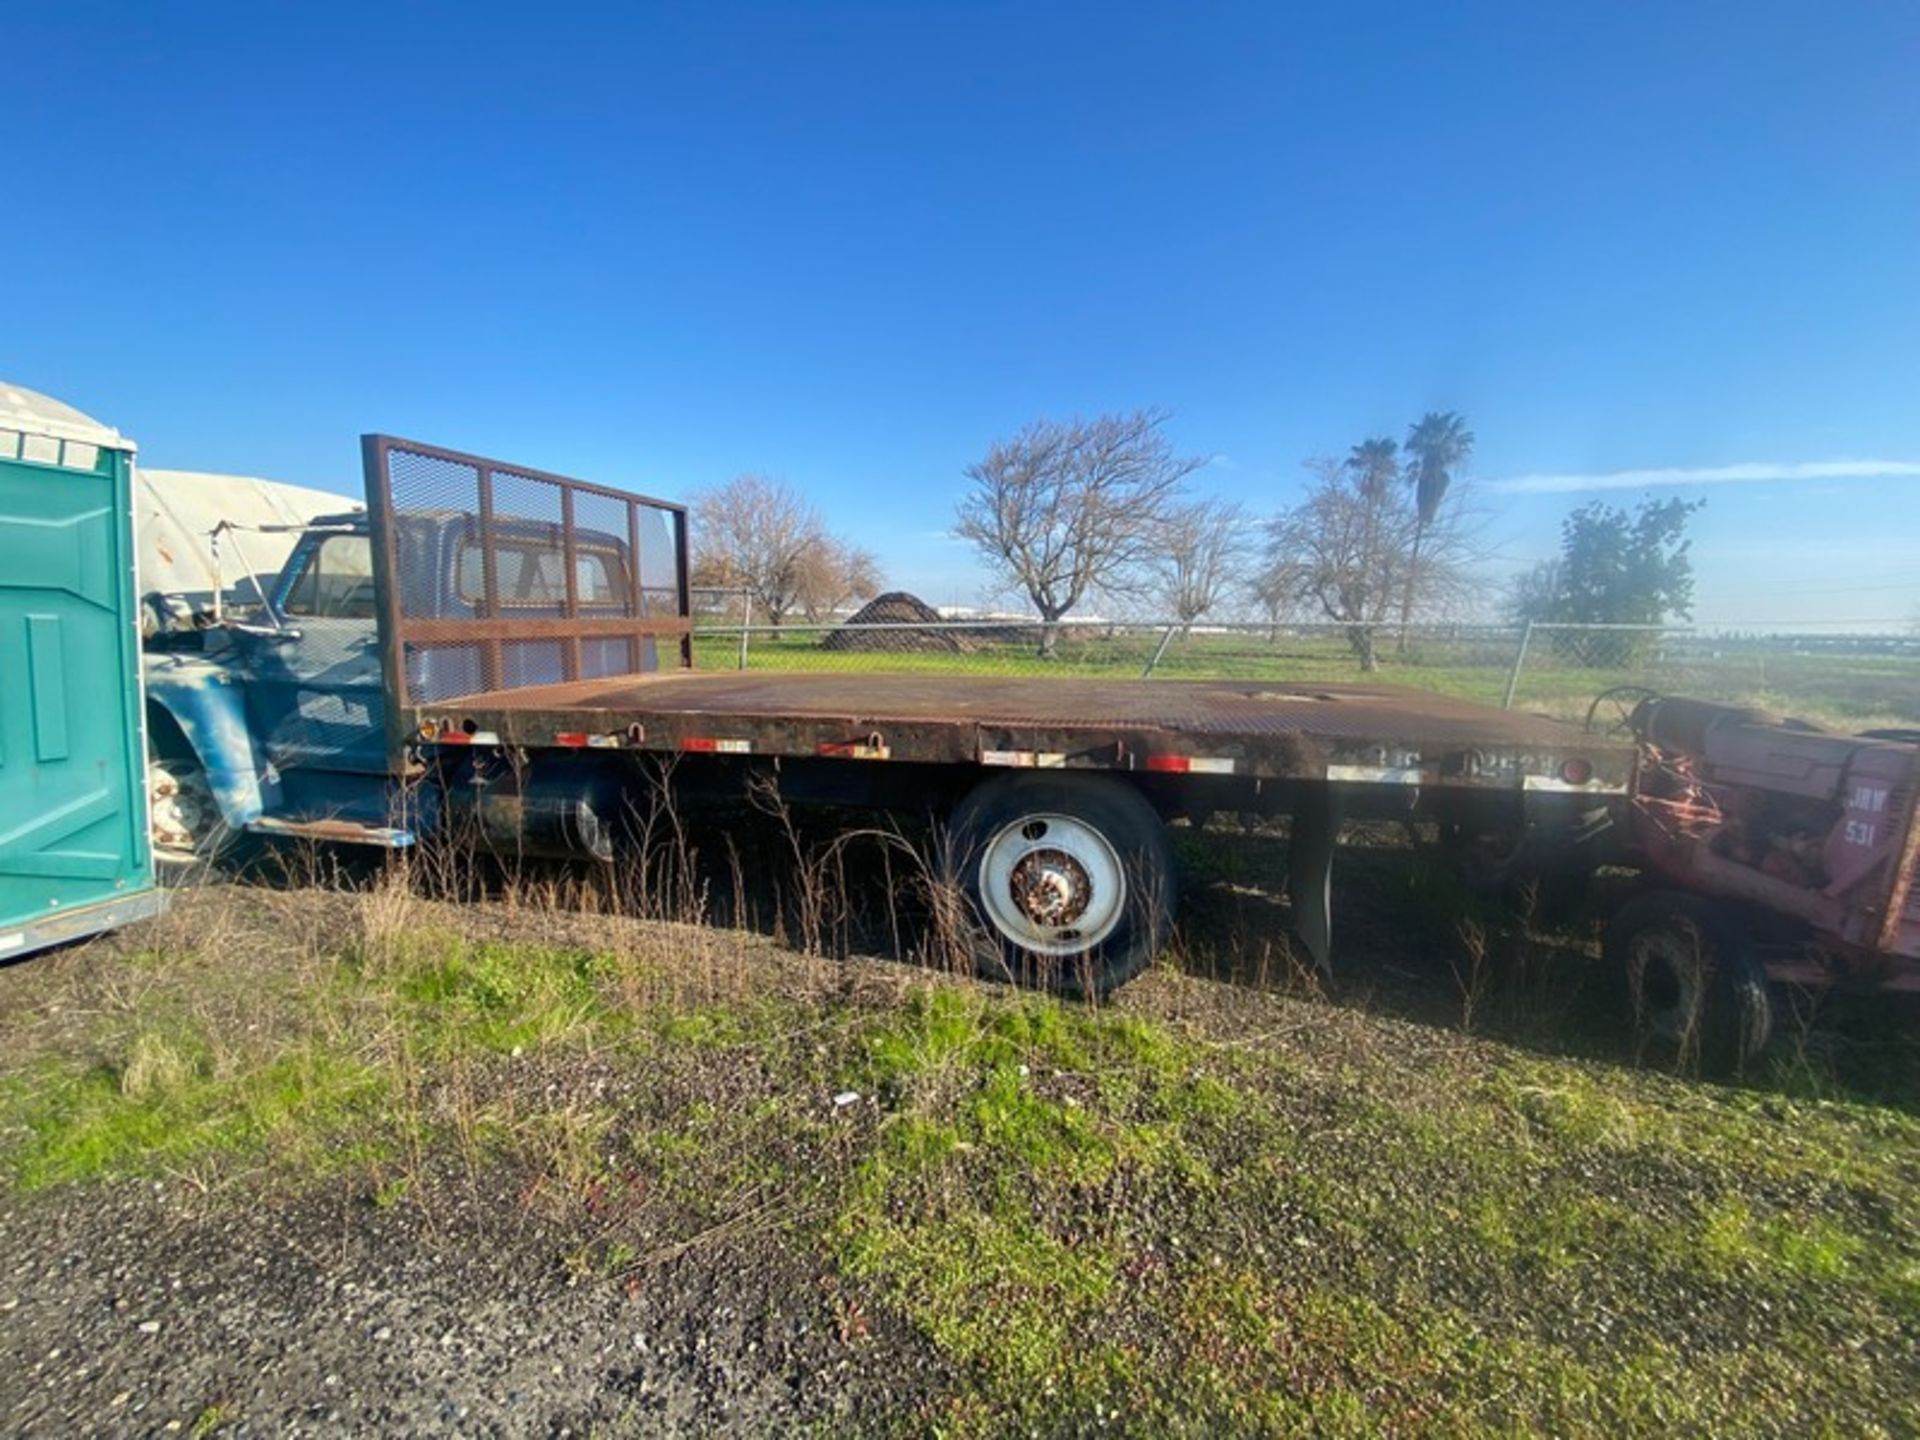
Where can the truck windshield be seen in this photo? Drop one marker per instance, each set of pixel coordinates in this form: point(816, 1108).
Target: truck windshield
point(337, 582)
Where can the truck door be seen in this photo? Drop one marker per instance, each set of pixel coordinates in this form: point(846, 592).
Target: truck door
point(314, 685)
point(73, 826)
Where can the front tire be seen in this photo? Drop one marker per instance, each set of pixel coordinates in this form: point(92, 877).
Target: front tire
point(1069, 878)
point(1695, 991)
point(187, 831)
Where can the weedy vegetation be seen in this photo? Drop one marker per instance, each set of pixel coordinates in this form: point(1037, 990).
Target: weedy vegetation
point(1230, 1205)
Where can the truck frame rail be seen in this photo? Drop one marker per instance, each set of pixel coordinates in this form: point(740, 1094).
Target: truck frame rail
point(1345, 734)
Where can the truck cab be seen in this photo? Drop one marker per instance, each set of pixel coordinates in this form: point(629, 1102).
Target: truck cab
point(274, 720)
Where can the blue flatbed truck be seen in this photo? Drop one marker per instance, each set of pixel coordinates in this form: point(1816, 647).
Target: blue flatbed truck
point(75, 857)
point(505, 654)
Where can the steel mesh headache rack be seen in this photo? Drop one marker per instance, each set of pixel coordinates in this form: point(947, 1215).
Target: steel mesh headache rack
point(493, 577)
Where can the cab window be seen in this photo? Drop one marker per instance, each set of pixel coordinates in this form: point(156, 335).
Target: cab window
point(337, 581)
point(536, 575)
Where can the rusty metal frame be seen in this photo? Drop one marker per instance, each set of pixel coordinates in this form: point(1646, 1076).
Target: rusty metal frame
point(1332, 733)
point(496, 627)
point(1906, 869)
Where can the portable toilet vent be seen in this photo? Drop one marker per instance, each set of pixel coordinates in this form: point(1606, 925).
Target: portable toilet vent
point(75, 858)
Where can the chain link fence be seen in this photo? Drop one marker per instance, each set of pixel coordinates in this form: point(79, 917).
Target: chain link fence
point(1845, 681)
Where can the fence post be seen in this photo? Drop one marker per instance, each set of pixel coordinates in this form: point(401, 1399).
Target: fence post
point(1161, 649)
point(746, 619)
point(1519, 659)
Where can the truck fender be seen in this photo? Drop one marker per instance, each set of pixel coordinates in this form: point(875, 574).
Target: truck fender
point(206, 702)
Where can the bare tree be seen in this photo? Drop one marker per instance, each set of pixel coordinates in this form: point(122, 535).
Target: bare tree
point(1064, 509)
point(1530, 593)
point(1354, 547)
point(833, 574)
point(1275, 591)
point(760, 536)
point(1197, 557)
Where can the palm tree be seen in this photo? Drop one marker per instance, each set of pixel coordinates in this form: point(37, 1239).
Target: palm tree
point(1376, 463)
point(1439, 444)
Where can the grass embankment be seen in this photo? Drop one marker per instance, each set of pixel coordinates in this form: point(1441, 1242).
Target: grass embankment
point(1204, 1210)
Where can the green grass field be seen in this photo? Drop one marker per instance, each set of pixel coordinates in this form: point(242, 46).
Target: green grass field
point(1845, 691)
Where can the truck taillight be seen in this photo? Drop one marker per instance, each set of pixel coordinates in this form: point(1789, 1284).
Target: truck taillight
point(1576, 771)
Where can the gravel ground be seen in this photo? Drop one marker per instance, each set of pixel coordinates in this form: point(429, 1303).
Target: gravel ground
point(146, 1309)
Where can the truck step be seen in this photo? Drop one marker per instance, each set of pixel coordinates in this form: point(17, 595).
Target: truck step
point(334, 832)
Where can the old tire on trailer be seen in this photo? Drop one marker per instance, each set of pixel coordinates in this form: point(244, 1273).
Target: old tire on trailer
point(1070, 880)
point(1688, 976)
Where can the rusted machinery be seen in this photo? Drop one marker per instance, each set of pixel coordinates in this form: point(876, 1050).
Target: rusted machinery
point(1776, 854)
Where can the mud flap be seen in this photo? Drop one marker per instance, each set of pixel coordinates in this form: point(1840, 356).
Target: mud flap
point(1316, 830)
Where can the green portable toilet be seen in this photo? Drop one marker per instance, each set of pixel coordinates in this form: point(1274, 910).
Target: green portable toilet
point(74, 851)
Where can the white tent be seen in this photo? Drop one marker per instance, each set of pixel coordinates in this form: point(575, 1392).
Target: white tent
point(37, 427)
point(175, 512)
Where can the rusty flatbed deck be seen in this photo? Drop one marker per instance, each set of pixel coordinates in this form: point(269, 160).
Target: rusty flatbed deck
point(1370, 734)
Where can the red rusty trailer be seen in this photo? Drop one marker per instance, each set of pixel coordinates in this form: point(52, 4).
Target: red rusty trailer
point(1774, 853)
point(536, 708)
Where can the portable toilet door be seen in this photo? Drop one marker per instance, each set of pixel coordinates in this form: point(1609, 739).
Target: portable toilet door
point(75, 857)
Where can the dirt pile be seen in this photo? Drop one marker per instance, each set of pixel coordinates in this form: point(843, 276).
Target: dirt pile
point(873, 627)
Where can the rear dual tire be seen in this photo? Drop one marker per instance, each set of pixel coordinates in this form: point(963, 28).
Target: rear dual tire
point(1069, 880)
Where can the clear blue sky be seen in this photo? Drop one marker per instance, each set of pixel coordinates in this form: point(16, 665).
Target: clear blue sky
point(850, 244)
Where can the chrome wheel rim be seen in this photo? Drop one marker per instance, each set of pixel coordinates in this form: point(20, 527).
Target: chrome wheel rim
point(1052, 884)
